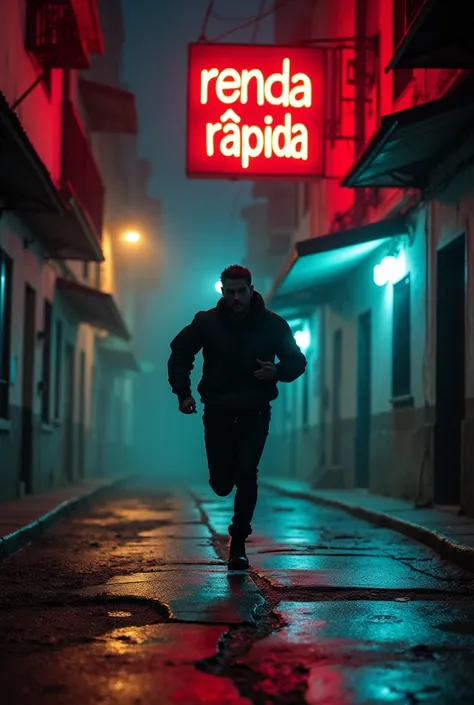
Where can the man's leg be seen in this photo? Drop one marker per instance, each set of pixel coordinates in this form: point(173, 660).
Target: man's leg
point(220, 438)
point(252, 433)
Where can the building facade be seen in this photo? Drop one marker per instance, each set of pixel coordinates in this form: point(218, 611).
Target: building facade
point(69, 170)
point(378, 280)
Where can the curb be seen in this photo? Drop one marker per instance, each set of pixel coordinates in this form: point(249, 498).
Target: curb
point(18, 539)
point(445, 547)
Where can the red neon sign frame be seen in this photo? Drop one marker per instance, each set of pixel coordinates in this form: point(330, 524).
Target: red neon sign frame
point(254, 112)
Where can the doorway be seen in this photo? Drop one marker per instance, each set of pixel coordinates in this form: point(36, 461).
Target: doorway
point(27, 400)
point(101, 426)
point(450, 372)
point(364, 390)
point(292, 391)
point(69, 414)
point(336, 400)
point(81, 441)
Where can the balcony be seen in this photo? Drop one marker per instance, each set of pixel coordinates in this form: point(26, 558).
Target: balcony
point(61, 33)
point(438, 35)
point(410, 144)
point(80, 176)
point(109, 109)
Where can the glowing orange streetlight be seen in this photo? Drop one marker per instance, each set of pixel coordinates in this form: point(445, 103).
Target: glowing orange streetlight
point(132, 236)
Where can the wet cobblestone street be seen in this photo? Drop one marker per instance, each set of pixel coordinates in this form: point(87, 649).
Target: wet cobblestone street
point(130, 602)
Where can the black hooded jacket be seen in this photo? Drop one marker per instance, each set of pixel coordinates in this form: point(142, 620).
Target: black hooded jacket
point(231, 348)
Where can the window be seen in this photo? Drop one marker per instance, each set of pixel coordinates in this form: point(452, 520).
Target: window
point(401, 381)
point(6, 273)
point(401, 77)
point(46, 372)
point(58, 365)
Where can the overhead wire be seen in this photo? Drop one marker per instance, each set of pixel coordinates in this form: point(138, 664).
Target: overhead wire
point(221, 18)
point(237, 192)
point(249, 23)
point(207, 17)
point(256, 26)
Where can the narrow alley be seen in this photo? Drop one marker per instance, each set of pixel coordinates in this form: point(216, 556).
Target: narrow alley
point(129, 602)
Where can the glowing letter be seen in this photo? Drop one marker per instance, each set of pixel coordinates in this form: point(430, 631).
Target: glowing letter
point(228, 80)
point(285, 132)
point(230, 144)
point(229, 115)
point(302, 89)
point(248, 151)
point(299, 142)
point(210, 133)
point(206, 77)
point(246, 78)
point(283, 79)
point(268, 136)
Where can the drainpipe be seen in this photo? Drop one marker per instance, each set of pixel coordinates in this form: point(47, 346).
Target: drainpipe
point(360, 95)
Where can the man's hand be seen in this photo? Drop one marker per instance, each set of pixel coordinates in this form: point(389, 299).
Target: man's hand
point(188, 406)
point(267, 371)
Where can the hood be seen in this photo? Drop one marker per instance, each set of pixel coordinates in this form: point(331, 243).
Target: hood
point(257, 306)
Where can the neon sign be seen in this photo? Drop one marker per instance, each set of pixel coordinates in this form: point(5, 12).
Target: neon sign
point(254, 112)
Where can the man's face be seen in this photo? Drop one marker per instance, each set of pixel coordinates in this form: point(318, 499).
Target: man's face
point(237, 294)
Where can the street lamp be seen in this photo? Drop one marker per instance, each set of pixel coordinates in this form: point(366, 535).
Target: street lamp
point(132, 236)
point(390, 270)
point(303, 339)
point(219, 287)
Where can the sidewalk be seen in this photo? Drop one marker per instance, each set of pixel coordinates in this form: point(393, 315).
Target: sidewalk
point(25, 519)
point(451, 537)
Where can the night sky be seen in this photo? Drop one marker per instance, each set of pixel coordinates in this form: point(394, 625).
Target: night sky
point(202, 230)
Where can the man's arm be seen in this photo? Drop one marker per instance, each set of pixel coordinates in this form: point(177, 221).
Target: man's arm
point(292, 362)
point(184, 349)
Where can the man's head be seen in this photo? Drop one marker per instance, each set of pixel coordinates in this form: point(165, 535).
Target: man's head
point(237, 288)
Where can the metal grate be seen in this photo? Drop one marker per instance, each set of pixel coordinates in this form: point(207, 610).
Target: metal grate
point(52, 35)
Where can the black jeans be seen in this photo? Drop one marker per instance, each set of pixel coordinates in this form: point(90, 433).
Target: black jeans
point(234, 446)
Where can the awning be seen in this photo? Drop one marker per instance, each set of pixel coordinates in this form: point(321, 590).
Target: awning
point(26, 187)
point(111, 110)
point(93, 307)
point(313, 272)
point(440, 36)
point(118, 359)
point(87, 15)
point(409, 143)
point(25, 183)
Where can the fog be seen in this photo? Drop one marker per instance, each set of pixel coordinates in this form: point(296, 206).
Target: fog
point(201, 232)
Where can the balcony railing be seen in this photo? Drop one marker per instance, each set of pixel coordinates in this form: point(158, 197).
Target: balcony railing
point(53, 35)
point(79, 171)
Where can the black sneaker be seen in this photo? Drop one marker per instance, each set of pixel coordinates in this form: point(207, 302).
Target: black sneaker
point(237, 557)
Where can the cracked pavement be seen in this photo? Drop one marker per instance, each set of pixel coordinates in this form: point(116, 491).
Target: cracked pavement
point(130, 603)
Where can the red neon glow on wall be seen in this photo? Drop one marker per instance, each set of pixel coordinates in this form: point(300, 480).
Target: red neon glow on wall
point(254, 111)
